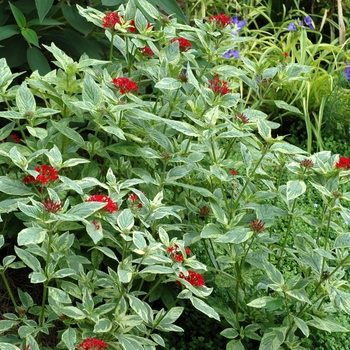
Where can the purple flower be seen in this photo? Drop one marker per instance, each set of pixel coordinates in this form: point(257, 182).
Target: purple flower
point(239, 25)
point(347, 71)
point(231, 53)
point(308, 22)
point(292, 27)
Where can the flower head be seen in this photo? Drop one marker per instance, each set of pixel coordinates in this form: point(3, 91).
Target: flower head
point(292, 27)
point(147, 51)
point(242, 118)
point(238, 24)
point(184, 44)
point(125, 85)
point(176, 254)
point(15, 138)
point(307, 163)
point(110, 20)
point(344, 162)
point(92, 344)
point(102, 198)
point(347, 71)
point(231, 53)
point(46, 174)
point(218, 86)
point(233, 172)
point(51, 206)
point(308, 22)
point(196, 279)
point(257, 226)
point(204, 211)
point(221, 20)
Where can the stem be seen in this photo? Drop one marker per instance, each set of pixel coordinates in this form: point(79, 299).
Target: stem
point(46, 283)
point(286, 234)
point(9, 291)
point(235, 204)
point(111, 47)
point(153, 288)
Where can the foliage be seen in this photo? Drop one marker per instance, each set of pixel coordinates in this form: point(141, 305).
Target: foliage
point(27, 25)
point(115, 172)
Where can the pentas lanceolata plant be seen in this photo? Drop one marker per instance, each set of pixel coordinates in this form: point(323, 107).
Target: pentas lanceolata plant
point(127, 169)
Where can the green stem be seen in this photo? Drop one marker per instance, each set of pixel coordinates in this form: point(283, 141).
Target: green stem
point(235, 204)
point(286, 235)
point(9, 291)
point(46, 283)
point(153, 288)
point(111, 48)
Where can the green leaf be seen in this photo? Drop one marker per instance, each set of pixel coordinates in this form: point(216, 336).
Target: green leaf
point(284, 105)
point(43, 7)
point(73, 312)
point(6, 325)
point(37, 277)
point(75, 20)
point(85, 209)
point(92, 92)
point(37, 61)
point(211, 231)
point(171, 7)
point(108, 252)
point(286, 148)
point(155, 269)
point(247, 158)
point(30, 36)
point(326, 324)
point(14, 187)
point(178, 172)
point(103, 325)
point(295, 188)
point(273, 274)
point(31, 235)
point(237, 235)
point(28, 259)
point(301, 324)
point(342, 241)
point(229, 333)
point(25, 100)
point(59, 295)
point(235, 345)
point(168, 84)
point(147, 8)
point(69, 337)
point(19, 16)
point(272, 340)
point(139, 241)
point(142, 309)
point(7, 346)
point(71, 184)
point(125, 220)
point(94, 230)
point(204, 307)
point(69, 132)
point(260, 302)
point(39, 133)
point(9, 30)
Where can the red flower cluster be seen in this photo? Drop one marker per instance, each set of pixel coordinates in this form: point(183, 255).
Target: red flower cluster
point(204, 211)
point(92, 344)
point(176, 254)
point(233, 172)
point(221, 20)
point(147, 51)
point(257, 226)
point(184, 44)
point(196, 279)
point(51, 206)
point(125, 85)
point(47, 173)
point(110, 20)
point(15, 138)
point(102, 198)
point(344, 162)
point(133, 29)
point(135, 201)
point(218, 86)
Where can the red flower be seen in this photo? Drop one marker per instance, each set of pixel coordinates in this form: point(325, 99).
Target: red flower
point(176, 254)
point(133, 197)
point(15, 138)
point(233, 172)
point(110, 20)
point(125, 85)
point(257, 226)
point(46, 173)
point(51, 206)
point(184, 44)
point(344, 162)
point(218, 86)
point(146, 51)
point(221, 20)
point(204, 211)
point(102, 198)
point(196, 279)
point(92, 344)
point(285, 54)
